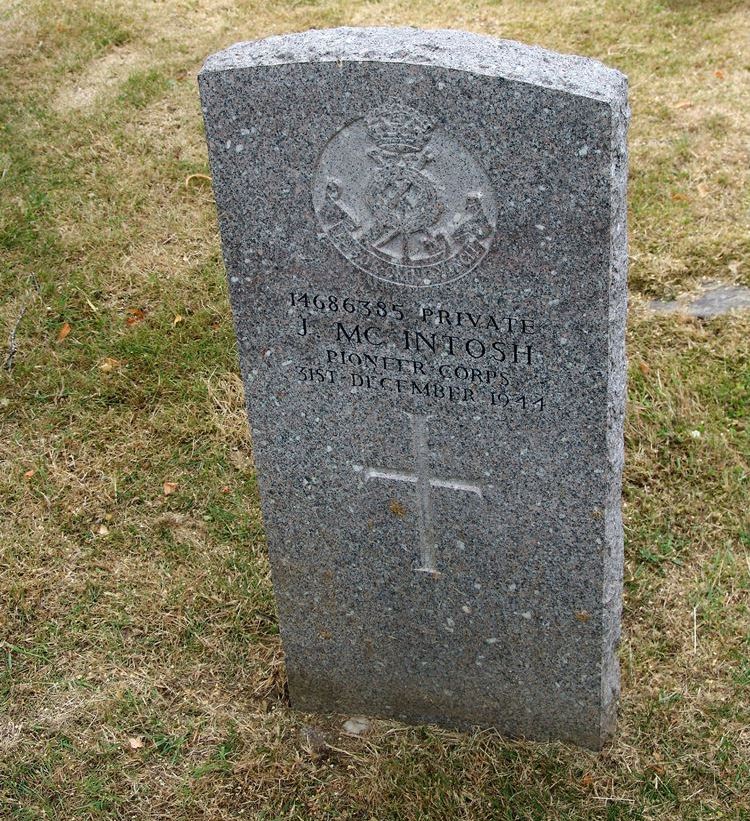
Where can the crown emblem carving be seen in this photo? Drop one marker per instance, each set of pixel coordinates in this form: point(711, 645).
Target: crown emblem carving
point(397, 129)
point(402, 199)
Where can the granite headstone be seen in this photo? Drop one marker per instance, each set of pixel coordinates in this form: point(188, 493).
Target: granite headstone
point(424, 234)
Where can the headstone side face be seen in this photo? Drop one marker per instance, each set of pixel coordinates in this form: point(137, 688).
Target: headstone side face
point(424, 235)
point(617, 395)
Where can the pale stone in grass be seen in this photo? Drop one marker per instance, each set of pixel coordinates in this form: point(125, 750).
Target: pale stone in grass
point(358, 725)
point(424, 234)
point(712, 299)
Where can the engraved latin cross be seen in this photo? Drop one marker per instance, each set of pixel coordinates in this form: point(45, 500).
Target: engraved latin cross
point(424, 483)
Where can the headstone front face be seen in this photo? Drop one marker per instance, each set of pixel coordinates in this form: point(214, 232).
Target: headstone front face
point(424, 234)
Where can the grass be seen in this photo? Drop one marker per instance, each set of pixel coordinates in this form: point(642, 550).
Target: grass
point(141, 673)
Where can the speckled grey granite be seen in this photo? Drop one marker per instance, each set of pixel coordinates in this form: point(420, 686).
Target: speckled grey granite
point(424, 234)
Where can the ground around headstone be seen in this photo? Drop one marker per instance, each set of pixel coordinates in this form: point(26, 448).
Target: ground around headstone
point(142, 669)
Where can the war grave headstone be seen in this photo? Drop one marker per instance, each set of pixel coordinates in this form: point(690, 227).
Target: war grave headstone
point(424, 235)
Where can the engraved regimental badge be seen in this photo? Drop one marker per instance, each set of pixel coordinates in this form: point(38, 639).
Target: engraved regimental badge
point(402, 200)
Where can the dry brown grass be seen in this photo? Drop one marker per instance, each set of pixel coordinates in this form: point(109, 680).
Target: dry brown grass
point(142, 672)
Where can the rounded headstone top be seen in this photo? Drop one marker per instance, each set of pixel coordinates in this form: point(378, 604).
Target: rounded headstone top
point(444, 48)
